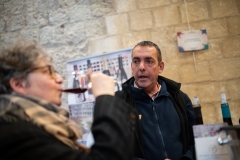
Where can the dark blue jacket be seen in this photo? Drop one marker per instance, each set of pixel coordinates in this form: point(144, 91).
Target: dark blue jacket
point(165, 129)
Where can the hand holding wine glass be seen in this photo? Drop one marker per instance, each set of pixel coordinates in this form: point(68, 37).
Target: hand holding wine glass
point(102, 84)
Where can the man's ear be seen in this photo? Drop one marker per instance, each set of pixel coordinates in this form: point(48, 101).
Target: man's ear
point(161, 67)
point(18, 85)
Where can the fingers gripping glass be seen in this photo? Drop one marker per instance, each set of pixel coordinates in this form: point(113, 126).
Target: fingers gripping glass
point(50, 70)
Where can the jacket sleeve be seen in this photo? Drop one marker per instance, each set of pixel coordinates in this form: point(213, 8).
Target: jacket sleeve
point(190, 154)
point(112, 131)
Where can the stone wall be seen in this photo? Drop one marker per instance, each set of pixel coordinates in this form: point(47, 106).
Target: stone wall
point(71, 29)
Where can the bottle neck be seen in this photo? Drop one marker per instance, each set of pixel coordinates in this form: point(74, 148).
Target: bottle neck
point(120, 62)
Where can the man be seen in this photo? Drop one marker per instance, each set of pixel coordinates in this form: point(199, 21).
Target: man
point(165, 112)
point(33, 127)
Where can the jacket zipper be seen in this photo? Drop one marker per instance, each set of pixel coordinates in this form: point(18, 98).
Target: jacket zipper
point(159, 130)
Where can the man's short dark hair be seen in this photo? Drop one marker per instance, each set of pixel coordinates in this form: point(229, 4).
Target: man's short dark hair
point(151, 44)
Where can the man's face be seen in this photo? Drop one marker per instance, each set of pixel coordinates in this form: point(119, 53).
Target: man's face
point(40, 83)
point(145, 66)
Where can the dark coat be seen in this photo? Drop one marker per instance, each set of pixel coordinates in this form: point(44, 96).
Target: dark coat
point(111, 130)
point(183, 107)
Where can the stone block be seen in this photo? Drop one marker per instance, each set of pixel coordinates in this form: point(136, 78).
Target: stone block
point(2, 45)
point(74, 33)
point(141, 20)
point(210, 91)
point(184, 57)
point(7, 7)
point(233, 87)
point(42, 19)
point(10, 37)
point(214, 52)
point(16, 23)
point(117, 24)
point(28, 5)
point(46, 35)
point(166, 16)
point(131, 39)
point(200, 55)
point(171, 72)
point(60, 38)
point(163, 35)
point(2, 24)
point(235, 111)
point(170, 53)
point(238, 4)
point(95, 27)
point(215, 28)
point(125, 5)
point(223, 8)
point(152, 3)
point(225, 69)
point(191, 73)
point(108, 44)
point(54, 37)
point(191, 0)
point(231, 47)
point(79, 13)
point(87, 2)
point(191, 89)
point(181, 27)
point(31, 21)
point(101, 9)
point(1, 8)
point(18, 7)
point(234, 25)
point(58, 17)
point(196, 11)
point(30, 34)
point(44, 6)
point(211, 113)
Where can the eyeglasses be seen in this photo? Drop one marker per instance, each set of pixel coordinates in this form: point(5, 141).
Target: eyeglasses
point(51, 71)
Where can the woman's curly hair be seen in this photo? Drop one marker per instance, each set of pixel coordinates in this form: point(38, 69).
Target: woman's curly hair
point(14, 62)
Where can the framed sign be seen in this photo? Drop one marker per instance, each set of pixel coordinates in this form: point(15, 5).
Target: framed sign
point(192, 40)
point(116, 64)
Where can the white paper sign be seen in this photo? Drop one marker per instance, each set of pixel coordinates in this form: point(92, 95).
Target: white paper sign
point(192, 40)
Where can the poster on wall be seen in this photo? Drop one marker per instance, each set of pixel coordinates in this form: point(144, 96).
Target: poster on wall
point(116, 64)
point(192, 40)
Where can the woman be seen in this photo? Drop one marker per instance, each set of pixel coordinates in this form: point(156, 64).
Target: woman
point(33, 127)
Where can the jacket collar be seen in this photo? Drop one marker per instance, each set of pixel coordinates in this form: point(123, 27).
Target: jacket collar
point(172, 86)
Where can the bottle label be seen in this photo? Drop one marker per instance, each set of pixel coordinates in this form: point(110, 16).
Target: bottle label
point(225, 111)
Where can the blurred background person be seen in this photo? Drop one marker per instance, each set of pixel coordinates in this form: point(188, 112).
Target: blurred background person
point(32, 126)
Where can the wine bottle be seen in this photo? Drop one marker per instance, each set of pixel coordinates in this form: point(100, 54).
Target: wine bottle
point(75, 77)
point(121, 74)
point(76, 86)
point(225, 110)
point(107, 72)
point(89, 67)
point(197, 111)
point(82, 84)
point(105, 67)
